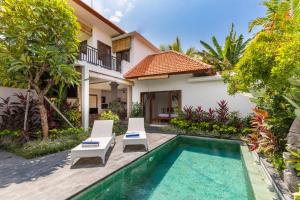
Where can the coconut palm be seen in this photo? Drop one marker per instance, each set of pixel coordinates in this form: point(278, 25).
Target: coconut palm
point(176, 46)
point(278, 11)
point(223, 58)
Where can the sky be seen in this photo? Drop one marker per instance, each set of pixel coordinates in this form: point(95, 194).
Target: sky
point(160, 21)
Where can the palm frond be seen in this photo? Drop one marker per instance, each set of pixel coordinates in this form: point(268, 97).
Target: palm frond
point(218, 47)
point(191, 51)
point(260, 21)
point(209, 48)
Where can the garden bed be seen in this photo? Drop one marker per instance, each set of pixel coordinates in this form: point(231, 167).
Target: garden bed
point(60, 141)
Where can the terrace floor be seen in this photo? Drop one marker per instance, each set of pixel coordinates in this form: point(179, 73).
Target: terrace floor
point(50, 177)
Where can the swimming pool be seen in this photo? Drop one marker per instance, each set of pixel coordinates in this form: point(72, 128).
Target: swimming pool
point(183, 168)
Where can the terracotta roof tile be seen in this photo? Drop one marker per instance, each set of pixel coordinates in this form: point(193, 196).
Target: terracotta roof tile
point(166, 63)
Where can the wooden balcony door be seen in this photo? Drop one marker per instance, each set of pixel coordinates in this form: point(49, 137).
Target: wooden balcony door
point(104, 54)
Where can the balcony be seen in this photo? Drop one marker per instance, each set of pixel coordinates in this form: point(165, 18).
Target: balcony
point(93, 56)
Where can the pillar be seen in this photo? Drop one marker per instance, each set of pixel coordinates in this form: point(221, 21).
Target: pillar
point(114, 91)
point(85, 95)
point(129, 100)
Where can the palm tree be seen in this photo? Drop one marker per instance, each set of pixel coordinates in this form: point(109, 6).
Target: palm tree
point(176, 46)
point(226, 57)
point(278, 11)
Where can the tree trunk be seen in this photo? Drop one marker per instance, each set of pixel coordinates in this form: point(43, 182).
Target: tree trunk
point(43, 115)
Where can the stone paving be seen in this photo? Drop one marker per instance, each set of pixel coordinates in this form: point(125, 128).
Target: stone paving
point(50, 177)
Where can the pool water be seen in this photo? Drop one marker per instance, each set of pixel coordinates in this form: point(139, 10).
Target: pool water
point(183, 168)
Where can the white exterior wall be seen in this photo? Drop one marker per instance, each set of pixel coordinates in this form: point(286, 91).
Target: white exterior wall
point(99, 35)
point(10, 92)
point(205, 94)
point(138, 52)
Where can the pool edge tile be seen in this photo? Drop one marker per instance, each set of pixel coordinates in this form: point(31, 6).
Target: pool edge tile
point(260, 185)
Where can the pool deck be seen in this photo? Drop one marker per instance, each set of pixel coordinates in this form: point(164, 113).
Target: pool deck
point(50, 177)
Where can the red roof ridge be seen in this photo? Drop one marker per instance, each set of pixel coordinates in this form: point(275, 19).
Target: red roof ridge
point(182, 54)
point(172, 63)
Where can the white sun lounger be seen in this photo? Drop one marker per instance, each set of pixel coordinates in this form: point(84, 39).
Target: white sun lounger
point(102, 133)
point(136, 126)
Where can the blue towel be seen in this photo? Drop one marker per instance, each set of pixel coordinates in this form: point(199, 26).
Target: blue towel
point(128, 135)
point(90, 142)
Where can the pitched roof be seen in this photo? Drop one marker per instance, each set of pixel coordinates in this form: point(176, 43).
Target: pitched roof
point(96, 14)
point(166, 63)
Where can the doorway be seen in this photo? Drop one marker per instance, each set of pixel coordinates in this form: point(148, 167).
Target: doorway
point(160, 107)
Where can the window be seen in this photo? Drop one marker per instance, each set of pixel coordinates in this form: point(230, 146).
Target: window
point(123, 55)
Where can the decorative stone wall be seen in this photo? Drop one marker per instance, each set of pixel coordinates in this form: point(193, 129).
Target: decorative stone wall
point(293, 139)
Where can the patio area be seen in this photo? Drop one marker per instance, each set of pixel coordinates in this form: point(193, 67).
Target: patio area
point(50, 177)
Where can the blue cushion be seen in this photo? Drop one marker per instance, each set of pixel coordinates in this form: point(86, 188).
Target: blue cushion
point(128, 135)
point(90, 142)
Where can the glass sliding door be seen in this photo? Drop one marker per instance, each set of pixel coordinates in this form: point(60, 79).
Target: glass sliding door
point(160, 107)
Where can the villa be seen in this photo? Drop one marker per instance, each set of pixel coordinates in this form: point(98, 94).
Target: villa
point(126, 67)
point(190, 139)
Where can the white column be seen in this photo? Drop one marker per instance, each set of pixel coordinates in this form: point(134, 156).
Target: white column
point(129, 100)
point(85, 95)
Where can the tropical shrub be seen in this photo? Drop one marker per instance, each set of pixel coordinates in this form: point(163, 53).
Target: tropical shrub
point(278, 162)
point(116, 107)
point(269, 60)
point(216, 122)
point(295, 159)
point(261, 138)
point(74, 116)
point(222, 112)
point(136, 110)
point(13, 113)
point(109, 115)
point(59, 140)
point(38, 46)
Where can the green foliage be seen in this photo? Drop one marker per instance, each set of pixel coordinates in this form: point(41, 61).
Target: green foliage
point(109, 115)
point(176, 46)
point(74, 116)
point(224, 129)
point(38, 46)
point(38, 38)
point(270, 59)
point(294, 95)
point(211, 129)
point(295, 160)
point(267, 63)
point(279, 13)
point(8, 132)
point(278, 162)
point(136, 110)
point(297, 194)
point(116, 107)
point(218, 122)
point(56, 133)
point(224, 58)
point(60, 140)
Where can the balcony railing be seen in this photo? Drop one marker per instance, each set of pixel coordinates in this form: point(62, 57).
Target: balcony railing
point(92, 55)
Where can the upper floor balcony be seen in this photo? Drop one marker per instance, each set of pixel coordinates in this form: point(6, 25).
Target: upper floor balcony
point(99, 58)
